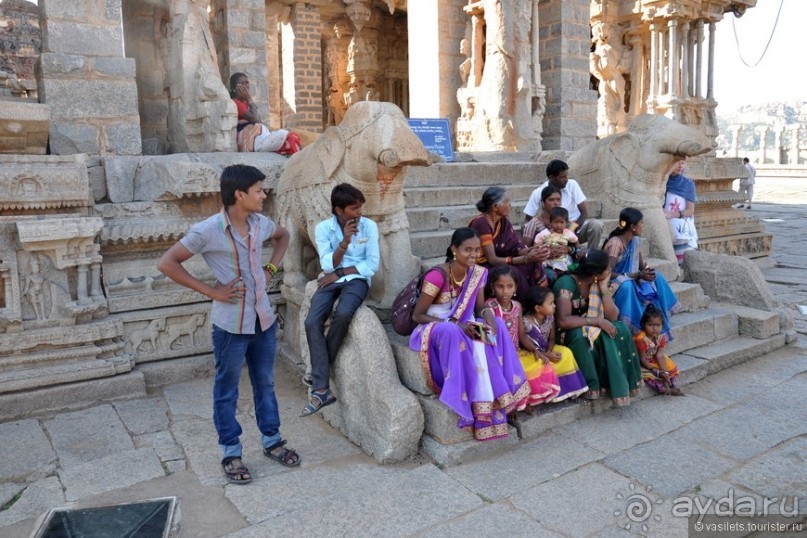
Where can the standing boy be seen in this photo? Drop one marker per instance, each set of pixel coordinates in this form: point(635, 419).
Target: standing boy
point(244, 324)
point(347, 244)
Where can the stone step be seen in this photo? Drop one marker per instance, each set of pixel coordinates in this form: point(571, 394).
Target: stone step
point(476, 174)
point(690, 296)
point(421, 197)
point(755, 323)
point(695, 365)
point(695, 329)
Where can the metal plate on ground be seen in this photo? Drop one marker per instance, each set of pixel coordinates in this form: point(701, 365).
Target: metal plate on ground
point(142, 519)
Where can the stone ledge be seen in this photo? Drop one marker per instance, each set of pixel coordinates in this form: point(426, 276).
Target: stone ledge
point(756, 323)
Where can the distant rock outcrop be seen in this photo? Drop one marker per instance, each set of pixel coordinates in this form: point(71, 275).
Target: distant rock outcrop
point(20, 38)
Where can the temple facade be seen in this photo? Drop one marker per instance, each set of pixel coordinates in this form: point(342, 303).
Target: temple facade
point(111, 147)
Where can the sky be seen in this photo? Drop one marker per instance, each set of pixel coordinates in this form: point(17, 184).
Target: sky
point(781, 75)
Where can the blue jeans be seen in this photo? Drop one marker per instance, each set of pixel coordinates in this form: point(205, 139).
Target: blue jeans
point(323, 349)
point(230, 350)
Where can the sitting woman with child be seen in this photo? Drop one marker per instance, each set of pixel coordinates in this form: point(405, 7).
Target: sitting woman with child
point(501, 245)
point(560, 239)
point(252, 135)
point(638, 284)
point(465, 352)
point(587, 318)
point(550, 198)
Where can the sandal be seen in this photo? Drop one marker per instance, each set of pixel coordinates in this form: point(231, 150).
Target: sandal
point(308, 380)
point(287, 457)
point(236, 474)
point(319, 399)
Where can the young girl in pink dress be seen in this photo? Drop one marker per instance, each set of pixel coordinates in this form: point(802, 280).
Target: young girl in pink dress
point(539, 328)
point(543, 380)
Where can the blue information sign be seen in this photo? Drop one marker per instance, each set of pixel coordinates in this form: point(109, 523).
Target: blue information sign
point(435, 135)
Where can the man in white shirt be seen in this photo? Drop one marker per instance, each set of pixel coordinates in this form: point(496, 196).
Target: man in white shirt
point(588, 230)
point(747, 183)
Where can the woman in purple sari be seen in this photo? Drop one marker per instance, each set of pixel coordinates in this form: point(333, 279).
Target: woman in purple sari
point(478, 376)
point(502, 245)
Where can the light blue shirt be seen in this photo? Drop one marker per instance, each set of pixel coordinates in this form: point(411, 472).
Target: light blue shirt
point(362, 253)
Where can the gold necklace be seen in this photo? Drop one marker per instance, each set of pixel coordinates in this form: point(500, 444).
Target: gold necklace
point(454, 282)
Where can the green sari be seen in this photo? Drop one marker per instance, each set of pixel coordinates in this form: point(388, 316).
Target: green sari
point(610, 363)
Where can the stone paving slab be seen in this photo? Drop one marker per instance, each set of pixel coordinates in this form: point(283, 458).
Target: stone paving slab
point(86, 435)
point(579, 503)
point(624, 428)
point(500, 519)
point(184, 400)
point(111, 472)
point(143, 415)
point(33, 456)
point(410, 499)
point(671, 464)
point(782, 471)
point(37, 498)
point(738, 432)
point(494, 477)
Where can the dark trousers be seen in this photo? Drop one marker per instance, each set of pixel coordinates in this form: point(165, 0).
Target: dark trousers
point(323, 349)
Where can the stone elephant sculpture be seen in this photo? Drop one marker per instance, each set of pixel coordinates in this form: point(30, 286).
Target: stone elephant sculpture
point(370, 149)
point(629, 169)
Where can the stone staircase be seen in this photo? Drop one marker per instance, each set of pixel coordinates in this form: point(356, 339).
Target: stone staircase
point(707, 337)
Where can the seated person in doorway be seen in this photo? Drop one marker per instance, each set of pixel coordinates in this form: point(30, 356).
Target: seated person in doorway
point(588, 230)
point(347, 244)
point(252, 134)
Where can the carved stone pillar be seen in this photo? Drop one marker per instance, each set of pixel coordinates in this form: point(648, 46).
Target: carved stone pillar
point(362, 53)
point(763, 142)
point(778, 145)
point(699, 61)
point(710, 76)
point(735, 131)
point(81, 285)
point(685, 55)
point(637, 74)
point(95, 280)
point(661, 86)
point(336, 47)
point(672, 56)
point(654, 61)
point(794, 145)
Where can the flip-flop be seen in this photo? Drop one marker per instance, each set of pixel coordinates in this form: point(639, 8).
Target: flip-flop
point(319, 399)
point(234, 472)
point(287, 457)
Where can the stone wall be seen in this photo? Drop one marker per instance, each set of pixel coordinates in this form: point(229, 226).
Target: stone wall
point(302, 68)
point(85, 79)
point(570, 121)
point(20, 39)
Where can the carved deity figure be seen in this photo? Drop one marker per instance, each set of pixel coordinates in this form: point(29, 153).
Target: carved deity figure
point(33, 289)
point(605, 63)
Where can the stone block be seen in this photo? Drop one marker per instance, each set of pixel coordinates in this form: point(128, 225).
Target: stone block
point(69, 138)
point(727, 353)
point(441, 422)
point(119, 173)
point(694, 329)
point(75, 435)
point(23, 127)
point(450, 455)
point(94, 477)
point(410, 369)
point(373, 409)
point(756, 323)
point(123, 138)
point(82, 38)
point(84, 99)
point(112, 66)
point(144, 415)
point(75, 10)
point(32, 453)
point(730, 279)
point(52, 64)
point(95, 174)
point(72, 395)
point(163, 373)
point(33, 182)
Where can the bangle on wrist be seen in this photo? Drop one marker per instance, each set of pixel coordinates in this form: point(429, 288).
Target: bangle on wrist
point(341, 247)
point(272, 268)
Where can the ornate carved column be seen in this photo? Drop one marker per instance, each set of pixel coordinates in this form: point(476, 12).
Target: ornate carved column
point(661, 86)
point(699, 61)
point(95, 279)
point(710, 77)
point(763, 141)
point(362, 55)
point(336, 46)
point(81, 285)
point(735, 131)
point(793, 158)
point(654, 61)
point(672, 56)
point(685, 59)
point(637, 75)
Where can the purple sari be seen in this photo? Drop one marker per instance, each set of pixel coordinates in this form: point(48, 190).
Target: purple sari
point(481, 383)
